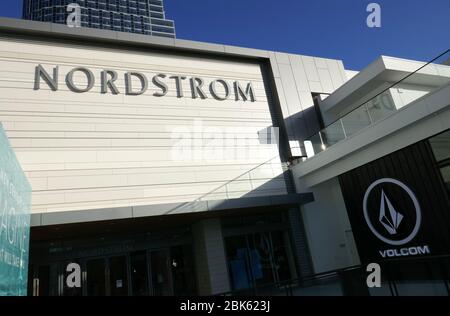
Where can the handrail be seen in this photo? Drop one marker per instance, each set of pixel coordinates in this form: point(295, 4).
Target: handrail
point(336, 273)
point(200, 198)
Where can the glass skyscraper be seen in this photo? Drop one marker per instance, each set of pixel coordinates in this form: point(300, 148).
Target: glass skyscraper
point(134, 16)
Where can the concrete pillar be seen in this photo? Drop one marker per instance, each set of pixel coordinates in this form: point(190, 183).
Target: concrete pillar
point(210, 259)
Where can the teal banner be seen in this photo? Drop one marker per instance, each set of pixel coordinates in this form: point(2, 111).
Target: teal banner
point(15, 203)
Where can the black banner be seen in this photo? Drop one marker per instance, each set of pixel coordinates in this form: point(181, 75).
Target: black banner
point(398, 206)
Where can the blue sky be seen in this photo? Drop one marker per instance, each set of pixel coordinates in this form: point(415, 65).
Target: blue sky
point(413, 29)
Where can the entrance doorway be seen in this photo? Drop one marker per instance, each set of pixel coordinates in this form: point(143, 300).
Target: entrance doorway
point(258, 259)
point(161, 272)
point(106, 276)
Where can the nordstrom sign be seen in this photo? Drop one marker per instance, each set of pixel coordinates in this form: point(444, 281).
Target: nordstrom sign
point(137, 83)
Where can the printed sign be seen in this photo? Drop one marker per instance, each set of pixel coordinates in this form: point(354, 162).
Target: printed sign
point(15, 200)
point(398, 206)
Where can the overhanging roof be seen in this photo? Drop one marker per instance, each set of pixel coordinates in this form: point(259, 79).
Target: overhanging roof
point(95, 215)
point(377, 76)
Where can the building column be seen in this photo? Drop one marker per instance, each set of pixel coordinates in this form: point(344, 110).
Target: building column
point(300, 243)
point(210, 259)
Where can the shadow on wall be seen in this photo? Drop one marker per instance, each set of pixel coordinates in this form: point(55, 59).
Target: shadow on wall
point(230, 194)
point(302, 125)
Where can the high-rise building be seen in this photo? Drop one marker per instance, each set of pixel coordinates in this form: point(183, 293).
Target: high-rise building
point(134, 16)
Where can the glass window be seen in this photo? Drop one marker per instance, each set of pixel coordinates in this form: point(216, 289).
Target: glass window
point(95, 13)
point(156, 15)
point(92, 4)
point(139, 273)
point(156, 9)
point(356, 120)
point(381, 106)
point(162, 29)
point(446, 175)
point(95, 277)
point(331, 135)
point(164, 35)
point(441, 146)
point(259, 259)
point(182, 270)
point(118, 276)
point(162, 22)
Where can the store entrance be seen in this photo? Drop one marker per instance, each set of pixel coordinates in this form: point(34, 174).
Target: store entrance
point(138, 274)
point(161, 272)
point(258, 259)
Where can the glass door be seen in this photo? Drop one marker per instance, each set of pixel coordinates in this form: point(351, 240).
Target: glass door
point(258, 259)
point(162, 272)
point(261, 261)
point(118, 276)
point(96, 277)
point(239, 262)
point(139, 273)
point(161, 276)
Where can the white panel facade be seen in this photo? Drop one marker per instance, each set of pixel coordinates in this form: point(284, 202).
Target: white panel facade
point(101, 150)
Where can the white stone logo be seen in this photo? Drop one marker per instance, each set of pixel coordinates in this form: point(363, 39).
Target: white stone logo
point(391, 221)
point(389, 217)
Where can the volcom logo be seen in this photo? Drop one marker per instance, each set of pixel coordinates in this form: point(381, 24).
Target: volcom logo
point(391, 221)
point(396, 231)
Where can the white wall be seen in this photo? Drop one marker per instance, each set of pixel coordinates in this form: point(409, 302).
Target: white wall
point(296, 78)
point(351, 73)
point(328, 229)
point(93, 150)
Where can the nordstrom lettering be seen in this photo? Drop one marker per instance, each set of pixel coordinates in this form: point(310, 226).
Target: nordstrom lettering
point(404, 252)
point(137, 83)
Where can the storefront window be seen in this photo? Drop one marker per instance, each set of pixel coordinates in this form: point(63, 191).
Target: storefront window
point(446, 175)
point(182, 270)
point(258, 260)
point(139, 273)
point(440, 145)
point(156, 272)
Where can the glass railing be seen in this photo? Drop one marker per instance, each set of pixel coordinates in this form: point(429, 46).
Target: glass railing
point(423, 80)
